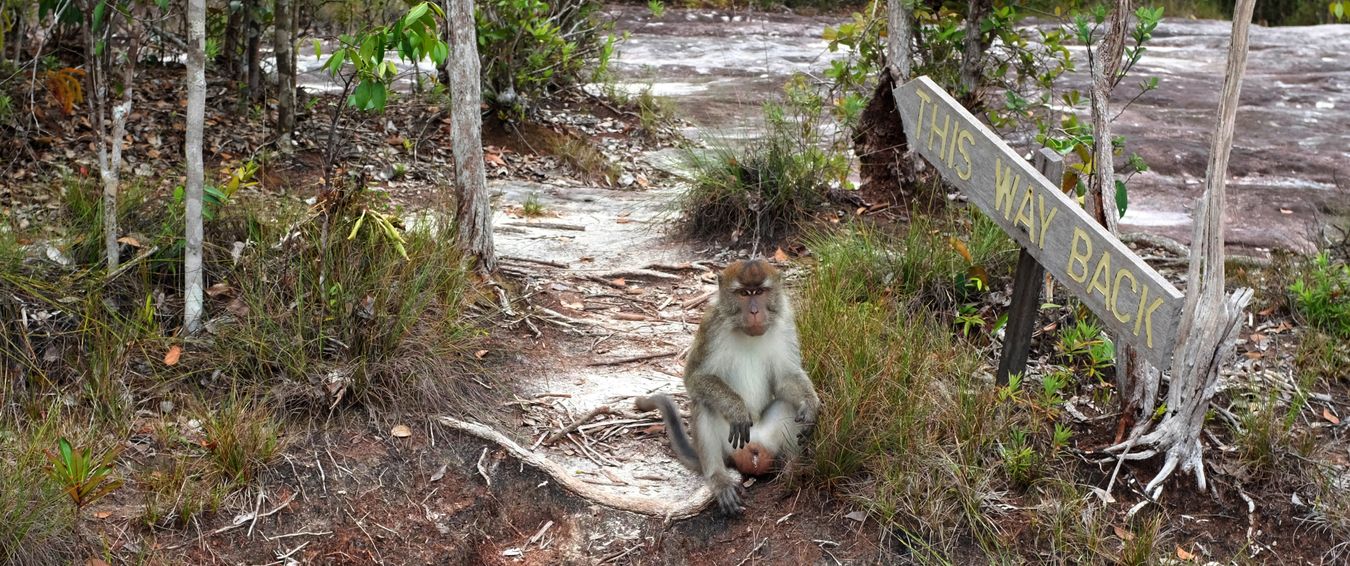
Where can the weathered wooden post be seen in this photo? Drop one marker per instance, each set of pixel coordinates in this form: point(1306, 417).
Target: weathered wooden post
point(1026, 294)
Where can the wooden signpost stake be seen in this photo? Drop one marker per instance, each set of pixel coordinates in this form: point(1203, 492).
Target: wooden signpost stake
point(1132, 300)
point(1026, 294)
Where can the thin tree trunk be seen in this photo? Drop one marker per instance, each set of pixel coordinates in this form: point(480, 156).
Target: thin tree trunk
point(1131, 369)
point(473, 213)
point(1209, 322)
point(110, 143)
point(254, 56)
point(900, 39)
point(234, 32)
point(196, 109)
point(973, 58)
point(285, 68)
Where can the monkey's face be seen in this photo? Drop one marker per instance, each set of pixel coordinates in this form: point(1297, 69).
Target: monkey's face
point(751, 287)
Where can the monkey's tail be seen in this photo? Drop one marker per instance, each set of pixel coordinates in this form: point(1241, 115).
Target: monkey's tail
point(679, 439)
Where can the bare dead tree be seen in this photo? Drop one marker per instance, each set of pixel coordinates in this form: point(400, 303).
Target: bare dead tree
point(473, 213)
point(1210, 320)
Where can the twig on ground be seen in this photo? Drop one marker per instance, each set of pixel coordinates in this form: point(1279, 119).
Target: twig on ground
point(482, 471)
point(601, 410)
point(752, 552)
point(696, 301)
point(556, 264)
point(548, 225)
point(638, 274)
point(631, 359)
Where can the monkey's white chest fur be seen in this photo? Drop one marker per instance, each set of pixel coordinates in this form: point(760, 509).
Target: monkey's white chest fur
point(748, 364)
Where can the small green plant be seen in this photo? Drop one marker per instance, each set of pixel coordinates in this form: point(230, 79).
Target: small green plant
point(968, 317)
point(241, 437)
point(1085, 347)
point(532, 207)
point(1322, 295)
point(1019, 459)
point(84, 477)
point(1141, 543)
point(657, 8)
point(6, 108)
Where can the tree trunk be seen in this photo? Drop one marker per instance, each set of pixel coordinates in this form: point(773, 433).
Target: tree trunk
point(900, 39)
point(1101, 202)
point(253, 55)
point(285, 69)
point(972, 60)
point(196, 109)
point(234, 33)
point(110, 143)
point(1209, 322)
point(473, 213)
point(879, 140)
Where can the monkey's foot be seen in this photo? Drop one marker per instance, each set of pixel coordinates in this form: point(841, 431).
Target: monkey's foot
point(729, 500)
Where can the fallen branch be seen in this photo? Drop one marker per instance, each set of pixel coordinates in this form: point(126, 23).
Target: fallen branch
point(638, 274)
point(696, 301)
point(601, 410)
point(548, 226)
point(631, 359)
point(676, 508)
point(556, 264)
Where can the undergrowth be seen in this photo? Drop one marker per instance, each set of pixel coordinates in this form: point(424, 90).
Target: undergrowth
point(309, 310)
point(909, 426)
point(764, 189)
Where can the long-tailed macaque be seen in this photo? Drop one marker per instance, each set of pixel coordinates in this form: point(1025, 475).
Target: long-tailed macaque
point(749, 397)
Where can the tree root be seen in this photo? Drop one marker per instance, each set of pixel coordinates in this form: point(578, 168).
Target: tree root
point(680, 509)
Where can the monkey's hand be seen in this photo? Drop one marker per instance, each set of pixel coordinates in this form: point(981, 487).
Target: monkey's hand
point(740, 433)
point(806, 413)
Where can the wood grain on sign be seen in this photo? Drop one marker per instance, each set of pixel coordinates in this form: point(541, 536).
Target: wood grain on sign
point(1129, 297)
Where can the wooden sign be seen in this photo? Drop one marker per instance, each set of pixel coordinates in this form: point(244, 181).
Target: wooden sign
point(1133, 301)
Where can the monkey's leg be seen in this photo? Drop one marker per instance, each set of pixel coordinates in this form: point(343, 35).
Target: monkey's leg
point(710, 433)
point(777, 429)
point(796, 389)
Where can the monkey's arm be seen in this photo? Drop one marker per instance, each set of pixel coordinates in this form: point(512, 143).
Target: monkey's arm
point(713, 393)
point(795, 388)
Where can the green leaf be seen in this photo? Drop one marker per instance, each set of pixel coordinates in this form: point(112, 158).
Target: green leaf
point(1122, 197)
point(415, 14)
point(100, 10)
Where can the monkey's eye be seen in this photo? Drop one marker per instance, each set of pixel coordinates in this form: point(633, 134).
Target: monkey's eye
point(751, 291)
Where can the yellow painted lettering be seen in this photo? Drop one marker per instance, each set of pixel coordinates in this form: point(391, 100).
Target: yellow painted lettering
point(1100, 276)
point(924, 99)
point(1139, 315)
point(1024, 212)
point(1115, 293)
point(1148, 320)
point(1004, 183)
point(963, 145)
point(1079, 253)
point(1045, 220)
point(932, 131)
point(951, 147)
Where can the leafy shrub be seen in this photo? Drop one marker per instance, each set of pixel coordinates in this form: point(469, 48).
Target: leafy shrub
point(767, 188)
point(533, 47)
point(1322, 295)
